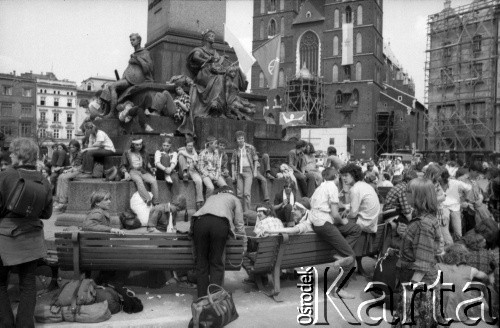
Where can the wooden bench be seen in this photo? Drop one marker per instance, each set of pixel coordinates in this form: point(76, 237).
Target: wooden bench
point(285, 251)
point(81, 251)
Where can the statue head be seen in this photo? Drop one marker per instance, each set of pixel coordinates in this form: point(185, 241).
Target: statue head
point(208, 36)
point(135, 38)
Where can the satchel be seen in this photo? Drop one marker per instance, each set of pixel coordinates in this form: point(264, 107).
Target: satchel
point(28, 197)
point(129, 220)
point(48, 314)
point(215, 310)
point(97, 312)
point(83, 291)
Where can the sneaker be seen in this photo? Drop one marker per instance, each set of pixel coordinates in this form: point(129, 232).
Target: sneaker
point(153, 230)
point(128, 119)
point(168, 178)
point(185, 177)
point(147, 112)
point(148, 128)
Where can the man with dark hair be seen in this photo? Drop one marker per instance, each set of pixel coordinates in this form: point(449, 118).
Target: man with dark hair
point(333, 160)
point(244, 164)
point(306, 181)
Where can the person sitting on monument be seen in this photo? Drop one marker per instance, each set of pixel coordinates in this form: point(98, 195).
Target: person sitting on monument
point(224, 163)
point(139, 70)
point(283, 203)
point(135, 166)
point(209, 166)
point(69, 173)
point(60, 159)
point(166, 161)
point(205, 65)
point(126, 113)
point(236, 104)
point(306, 182)
point(182, 103)
point(94, 110)
point(188, 168)
point(99, 146)
point(244, 167)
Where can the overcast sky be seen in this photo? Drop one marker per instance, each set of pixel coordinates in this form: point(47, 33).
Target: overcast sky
point(77, 39)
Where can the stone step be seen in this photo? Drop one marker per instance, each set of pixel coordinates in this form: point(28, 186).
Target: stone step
point(121, 191)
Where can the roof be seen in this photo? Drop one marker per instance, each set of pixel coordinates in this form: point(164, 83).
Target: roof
point(309, 12)
point(390, 55)
point(102, 78)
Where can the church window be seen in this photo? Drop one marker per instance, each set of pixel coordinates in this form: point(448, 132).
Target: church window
point(335, 45)
point(359, 15)
point(336, 19)
point(261, 80)
point(348, 15)
point(309, 51)
point(358, 71)
point(335, 73)
point(359, 42)
point(271, 28)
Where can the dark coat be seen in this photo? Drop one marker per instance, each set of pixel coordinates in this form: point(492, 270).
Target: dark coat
point(21, 239)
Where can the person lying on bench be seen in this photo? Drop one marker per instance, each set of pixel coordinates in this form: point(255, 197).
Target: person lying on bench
point(328, 228)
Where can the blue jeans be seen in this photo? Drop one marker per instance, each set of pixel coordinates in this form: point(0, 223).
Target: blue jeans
point(27, 300)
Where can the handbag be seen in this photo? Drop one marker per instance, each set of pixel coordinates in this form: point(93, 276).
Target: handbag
point(28, 197)
point(215, 310)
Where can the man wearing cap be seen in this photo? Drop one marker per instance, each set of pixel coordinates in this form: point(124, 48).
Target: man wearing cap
point(135, 166)
point(209, 166)
point(244, 167)
point(220, 217)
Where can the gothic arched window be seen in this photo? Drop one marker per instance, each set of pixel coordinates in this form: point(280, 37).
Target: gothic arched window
point(282, 30)
point(348, 15)
point(358, 71)
point(335, 45)
point(359, 16)
point(261, 34)
point(336, 18)
point(359, 42)
point(309, 51)
point(271, 29)
point(335, 73)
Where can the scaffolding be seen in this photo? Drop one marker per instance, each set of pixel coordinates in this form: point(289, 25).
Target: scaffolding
point(306, 94)
point(460, 78)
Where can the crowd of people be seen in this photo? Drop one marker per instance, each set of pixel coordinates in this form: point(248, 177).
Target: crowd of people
point(444, 216)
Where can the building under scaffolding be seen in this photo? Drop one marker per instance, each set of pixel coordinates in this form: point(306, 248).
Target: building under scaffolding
point(461, 79)
point(306, 93)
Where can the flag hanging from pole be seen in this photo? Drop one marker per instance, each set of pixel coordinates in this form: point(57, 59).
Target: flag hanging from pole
point(268, 57)
point(347, 43)
point(245, 59)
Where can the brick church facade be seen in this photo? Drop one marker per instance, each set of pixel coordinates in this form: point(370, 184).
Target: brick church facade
point(373, 97)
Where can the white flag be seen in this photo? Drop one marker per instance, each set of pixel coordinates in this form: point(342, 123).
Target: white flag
point(347, 43)
point(245, 59)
